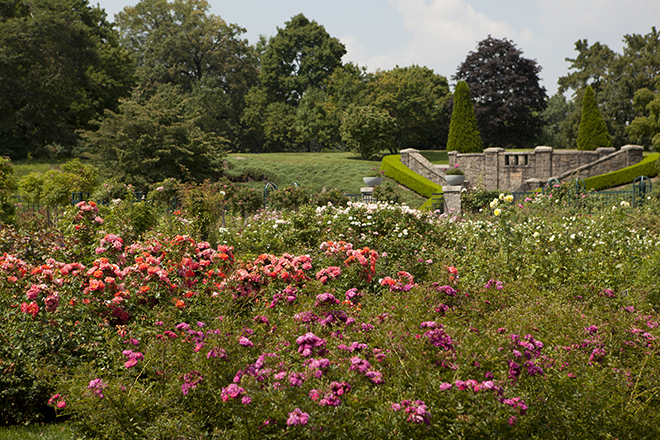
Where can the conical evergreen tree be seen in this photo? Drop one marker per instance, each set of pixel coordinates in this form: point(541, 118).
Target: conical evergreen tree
point(592, 132)
point(464, 135)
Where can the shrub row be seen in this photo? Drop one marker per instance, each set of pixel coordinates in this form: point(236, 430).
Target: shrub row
point(647, 167)
point(396, 170)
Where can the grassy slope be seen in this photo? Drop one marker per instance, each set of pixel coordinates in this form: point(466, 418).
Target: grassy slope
point(316, 171)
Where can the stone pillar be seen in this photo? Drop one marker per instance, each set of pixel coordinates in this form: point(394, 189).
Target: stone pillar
point(405, 156)
point(543, 163)
point(605, 151)
point(452, 196)
point(492, 167)
point(634, 154)
point(452, 155)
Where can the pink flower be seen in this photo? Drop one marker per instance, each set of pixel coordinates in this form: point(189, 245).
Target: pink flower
point(61, 404)
point(297, 417)
point(245, 342)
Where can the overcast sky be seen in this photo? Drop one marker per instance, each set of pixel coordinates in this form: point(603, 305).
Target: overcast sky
point(381, 34)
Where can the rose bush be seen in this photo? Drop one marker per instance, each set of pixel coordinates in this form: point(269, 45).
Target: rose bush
point(370, 321)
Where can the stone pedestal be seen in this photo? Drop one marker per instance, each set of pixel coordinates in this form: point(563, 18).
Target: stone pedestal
point(452, 196)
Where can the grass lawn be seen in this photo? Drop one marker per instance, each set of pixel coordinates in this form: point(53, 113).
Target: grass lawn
point(341, 170)
point(37, 432)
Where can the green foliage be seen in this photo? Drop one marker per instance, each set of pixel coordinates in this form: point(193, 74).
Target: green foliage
point(561, 119)
point(464, 135)
point(7, 188)
point(55, 186)
point(615, 78)
point(367, 130)
point(180, 43)
point(301, 55)
point(592, 133)
point(648, 167)
point(291, 198)
point(152, 138)
point(299, 58)
point(387, 193)
point(416, 99)
point(506, 91)
point(394, 169)
point(62, 65)
point(334, 196)
point(478, 200)
point(645, 128)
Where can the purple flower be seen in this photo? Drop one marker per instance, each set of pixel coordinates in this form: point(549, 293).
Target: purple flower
point(190, 381)
point(232, 391)
point(296, 379)
point(182, 326)
point(245, 342)
point(297, 417)
point(97, 385)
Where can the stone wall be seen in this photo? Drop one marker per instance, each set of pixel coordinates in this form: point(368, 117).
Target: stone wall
point(419, 164)
point(497, 168)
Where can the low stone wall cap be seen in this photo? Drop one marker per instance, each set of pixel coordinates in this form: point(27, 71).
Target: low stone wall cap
point(409, 150)
point(632, 147)
point(543, 149)
point(494, 150)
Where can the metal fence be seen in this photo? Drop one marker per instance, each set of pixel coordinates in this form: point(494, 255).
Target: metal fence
point(579, 197)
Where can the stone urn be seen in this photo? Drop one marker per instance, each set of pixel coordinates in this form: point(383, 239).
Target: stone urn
point(372, 181)
point(455, 179)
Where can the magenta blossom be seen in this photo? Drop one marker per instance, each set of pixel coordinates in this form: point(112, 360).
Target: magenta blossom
point(297, 417)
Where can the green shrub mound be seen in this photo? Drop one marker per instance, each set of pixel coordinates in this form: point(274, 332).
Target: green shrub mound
point(648, 167)
point(394, 169)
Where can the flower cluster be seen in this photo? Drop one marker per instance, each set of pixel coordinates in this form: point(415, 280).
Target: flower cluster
point(417, 411)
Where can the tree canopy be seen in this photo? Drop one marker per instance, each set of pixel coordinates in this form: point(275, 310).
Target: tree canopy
point(416, 98)
point(154, 137)
point(180, 43)
point(615, 78)
point(61, 65)
point(506, 93)
point(301, 57)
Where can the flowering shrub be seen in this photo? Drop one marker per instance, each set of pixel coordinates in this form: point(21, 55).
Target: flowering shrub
point(364, 321)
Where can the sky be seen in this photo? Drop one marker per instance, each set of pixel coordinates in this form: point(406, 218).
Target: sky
point(439, 34)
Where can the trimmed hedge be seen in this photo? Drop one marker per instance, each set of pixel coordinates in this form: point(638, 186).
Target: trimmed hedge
point(646, 167)
point(396, 170)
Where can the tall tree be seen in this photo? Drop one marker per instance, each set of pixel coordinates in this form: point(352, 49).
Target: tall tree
point(367, 130)
point(615, 78)
point(506, 92)
point(320, 111)
point(592, 133)
point(561, 120)
point(645, 128)
point(181, 43)
point(154, 137)
point(416, 98)
point(60, 66)
point(300, 57)
point(464, 135)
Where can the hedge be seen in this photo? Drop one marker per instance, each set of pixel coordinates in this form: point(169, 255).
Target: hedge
point(646, 167)
point(396, 170)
